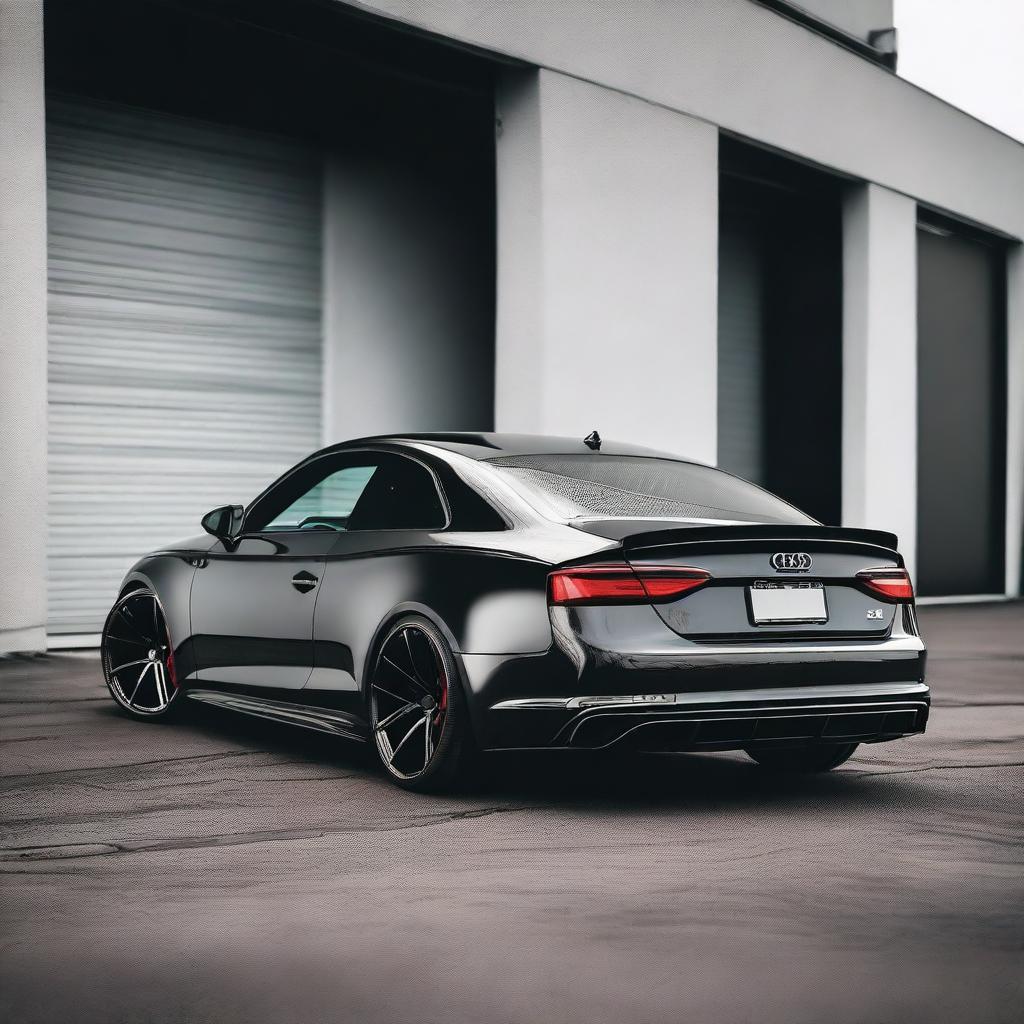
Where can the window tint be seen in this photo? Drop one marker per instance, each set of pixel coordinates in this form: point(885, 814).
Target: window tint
point(352, 492)
point(328, 504)
point(577, 486)
point(401, 495)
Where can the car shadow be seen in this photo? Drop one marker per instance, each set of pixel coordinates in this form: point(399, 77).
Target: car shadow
point(607, 782)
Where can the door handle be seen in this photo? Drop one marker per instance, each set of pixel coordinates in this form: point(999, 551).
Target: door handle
point(304, 582)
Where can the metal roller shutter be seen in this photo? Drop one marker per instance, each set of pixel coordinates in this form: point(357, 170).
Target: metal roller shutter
point(184, 339)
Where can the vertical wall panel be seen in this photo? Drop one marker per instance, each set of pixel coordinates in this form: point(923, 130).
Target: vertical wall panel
point(880, 364)
point(22, 330)
point(606, 288)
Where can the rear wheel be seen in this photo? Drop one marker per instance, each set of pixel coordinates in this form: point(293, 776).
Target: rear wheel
point(819, 758)
point(137, 656)
point(418, 712)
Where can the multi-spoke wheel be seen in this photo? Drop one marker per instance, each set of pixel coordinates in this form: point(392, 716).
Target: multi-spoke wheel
point(417, 707)
point(138, 660)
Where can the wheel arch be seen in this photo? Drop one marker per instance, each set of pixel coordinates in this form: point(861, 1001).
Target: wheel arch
point(169, 576)
point(396, 614)
point(134, 582)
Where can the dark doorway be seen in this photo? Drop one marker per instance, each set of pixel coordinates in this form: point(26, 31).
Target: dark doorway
point(961, 412)
point(780, 327)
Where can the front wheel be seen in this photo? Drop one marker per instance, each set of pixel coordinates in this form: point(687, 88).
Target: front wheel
point(418, 713)
point(137, 656)
point(819, 758)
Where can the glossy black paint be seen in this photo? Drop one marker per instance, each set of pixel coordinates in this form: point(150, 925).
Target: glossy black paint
point(239, 622)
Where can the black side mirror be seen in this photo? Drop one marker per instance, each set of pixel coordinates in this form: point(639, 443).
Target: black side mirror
point(224, 522)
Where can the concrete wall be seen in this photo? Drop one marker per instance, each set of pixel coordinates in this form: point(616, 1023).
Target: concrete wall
point(607, 266)
point(739, 65)
point(880, 363)
point(22, 328)
point(408, 297)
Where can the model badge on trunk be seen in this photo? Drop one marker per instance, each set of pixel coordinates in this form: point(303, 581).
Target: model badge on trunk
point(791, 561)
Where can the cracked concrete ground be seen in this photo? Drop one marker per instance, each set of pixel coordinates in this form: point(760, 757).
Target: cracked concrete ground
point(224, 870)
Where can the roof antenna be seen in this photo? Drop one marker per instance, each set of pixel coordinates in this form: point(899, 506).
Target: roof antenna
point(593, 441)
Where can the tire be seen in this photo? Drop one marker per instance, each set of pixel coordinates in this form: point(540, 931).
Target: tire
point(817, 758)
point(419, 719)
point(138, 658)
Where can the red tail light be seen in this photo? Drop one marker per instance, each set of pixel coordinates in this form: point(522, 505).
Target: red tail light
point(893, 584)
point(623, 584)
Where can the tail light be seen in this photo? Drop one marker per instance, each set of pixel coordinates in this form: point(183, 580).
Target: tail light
point(893, 584)
point(623, 584)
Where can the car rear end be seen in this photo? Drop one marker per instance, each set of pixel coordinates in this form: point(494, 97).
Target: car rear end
point(747, 625)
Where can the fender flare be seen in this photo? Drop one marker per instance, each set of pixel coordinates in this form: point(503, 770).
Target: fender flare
point(423, 611)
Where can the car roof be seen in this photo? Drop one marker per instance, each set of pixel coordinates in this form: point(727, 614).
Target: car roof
point(498, 445)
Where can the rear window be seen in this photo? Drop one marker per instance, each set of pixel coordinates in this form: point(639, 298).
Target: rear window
point(631, 487)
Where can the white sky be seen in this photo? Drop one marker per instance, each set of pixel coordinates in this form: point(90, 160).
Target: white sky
point(969, 52)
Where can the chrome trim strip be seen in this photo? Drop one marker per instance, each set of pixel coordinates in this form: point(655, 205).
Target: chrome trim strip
point(319, 719)
point(532, 704)
point(907, 644)
point(678, 700)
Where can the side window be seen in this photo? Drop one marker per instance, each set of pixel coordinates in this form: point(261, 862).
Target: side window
point(401, 495)
point(352, 492)
point(327, 504)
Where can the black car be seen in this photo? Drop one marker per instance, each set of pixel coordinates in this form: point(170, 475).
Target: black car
point(444, 594)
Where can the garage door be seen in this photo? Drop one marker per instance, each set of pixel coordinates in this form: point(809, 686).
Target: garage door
point(184, 337)
point(961, 414)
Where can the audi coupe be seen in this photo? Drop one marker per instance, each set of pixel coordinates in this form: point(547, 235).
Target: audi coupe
point(439, 595)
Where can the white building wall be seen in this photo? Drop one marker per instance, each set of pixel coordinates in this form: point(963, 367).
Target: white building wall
point(22, 328)
point(607, 266)
point(880, 363)
point(739, 65)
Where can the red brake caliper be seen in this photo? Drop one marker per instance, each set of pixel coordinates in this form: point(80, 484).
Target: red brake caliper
point(170, 664)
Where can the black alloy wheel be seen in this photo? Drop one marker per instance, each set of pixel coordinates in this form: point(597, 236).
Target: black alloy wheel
point(137, 656)
point(417, 708)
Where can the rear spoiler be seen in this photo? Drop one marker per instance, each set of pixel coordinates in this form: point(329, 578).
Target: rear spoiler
point(636, 534)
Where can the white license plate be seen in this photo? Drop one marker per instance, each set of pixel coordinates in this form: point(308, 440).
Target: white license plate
point(787, 602)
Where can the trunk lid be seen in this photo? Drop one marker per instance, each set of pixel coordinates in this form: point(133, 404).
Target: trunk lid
point(763, 576)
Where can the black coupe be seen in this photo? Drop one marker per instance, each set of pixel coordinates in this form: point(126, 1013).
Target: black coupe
point(444, 594)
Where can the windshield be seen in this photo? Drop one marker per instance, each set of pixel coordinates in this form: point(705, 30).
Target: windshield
point(632, 487)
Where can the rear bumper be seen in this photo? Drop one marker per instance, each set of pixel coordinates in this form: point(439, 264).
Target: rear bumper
point(647, 685)
point(865, 713)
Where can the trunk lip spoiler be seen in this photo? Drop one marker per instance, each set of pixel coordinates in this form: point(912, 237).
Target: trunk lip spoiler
point(637, 534)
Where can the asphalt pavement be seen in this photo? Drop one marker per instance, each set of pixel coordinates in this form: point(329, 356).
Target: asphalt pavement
point(227, 870)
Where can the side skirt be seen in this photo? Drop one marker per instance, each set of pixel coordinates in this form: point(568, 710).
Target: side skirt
point(319, 719)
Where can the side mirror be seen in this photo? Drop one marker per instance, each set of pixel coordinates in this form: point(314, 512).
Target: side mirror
point(225, 522)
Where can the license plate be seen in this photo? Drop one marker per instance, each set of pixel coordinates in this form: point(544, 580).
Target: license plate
point(775, 603)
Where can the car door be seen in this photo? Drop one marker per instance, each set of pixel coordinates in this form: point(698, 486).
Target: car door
point(372, 568)
point(253, 597)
